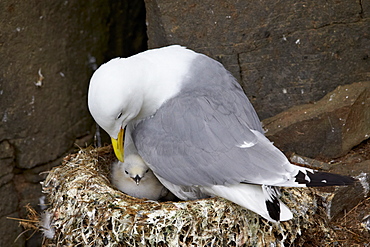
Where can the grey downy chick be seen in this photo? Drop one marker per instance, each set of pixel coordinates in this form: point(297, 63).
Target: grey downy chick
point(134, 178)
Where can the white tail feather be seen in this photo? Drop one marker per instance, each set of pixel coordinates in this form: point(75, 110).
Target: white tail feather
point(249, 196)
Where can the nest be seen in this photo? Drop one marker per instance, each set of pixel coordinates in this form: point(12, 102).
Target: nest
point(86, 210)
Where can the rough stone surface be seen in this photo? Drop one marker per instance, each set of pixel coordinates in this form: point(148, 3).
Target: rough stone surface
point(312, 163)
point(328, 128)
point(9, 202)
point(53, 45)
point(344, 199)
point(10, 231)
point(127, 28)
point(284, 53)
point(6, 161)
point(48, 51)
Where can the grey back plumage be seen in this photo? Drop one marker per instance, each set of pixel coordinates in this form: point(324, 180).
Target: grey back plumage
point(204, 126)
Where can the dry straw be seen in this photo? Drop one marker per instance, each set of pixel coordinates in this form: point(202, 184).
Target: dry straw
point(86, 210)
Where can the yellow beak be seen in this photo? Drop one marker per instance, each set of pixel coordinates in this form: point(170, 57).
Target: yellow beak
point(118, 145)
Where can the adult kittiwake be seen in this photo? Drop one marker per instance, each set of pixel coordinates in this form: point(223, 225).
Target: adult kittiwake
point(196, 130)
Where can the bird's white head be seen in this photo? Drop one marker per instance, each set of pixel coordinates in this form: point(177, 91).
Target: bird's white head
point(115, 98)
point(131, 89)
point(112, 101)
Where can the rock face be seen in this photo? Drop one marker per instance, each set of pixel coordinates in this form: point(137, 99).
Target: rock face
point(48, 51)
point(328, 128)
point(43, 91)
point(283, 53)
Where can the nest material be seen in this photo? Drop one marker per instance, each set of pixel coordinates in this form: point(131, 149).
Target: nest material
point(86, 210)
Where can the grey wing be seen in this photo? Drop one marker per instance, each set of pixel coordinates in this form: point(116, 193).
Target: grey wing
point(206, 137)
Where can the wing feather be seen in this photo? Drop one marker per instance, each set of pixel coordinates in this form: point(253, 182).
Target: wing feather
point(195, 139)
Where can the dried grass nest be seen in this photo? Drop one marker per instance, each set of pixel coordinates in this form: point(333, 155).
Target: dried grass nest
point(86, 210)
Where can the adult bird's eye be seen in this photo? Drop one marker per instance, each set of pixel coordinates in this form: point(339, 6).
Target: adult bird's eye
point(147, 171)
point(126, 172)
point(119, 115)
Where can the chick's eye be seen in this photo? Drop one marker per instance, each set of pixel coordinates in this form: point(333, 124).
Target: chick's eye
point(147, 171)
point(119, 115)
point(126, 172)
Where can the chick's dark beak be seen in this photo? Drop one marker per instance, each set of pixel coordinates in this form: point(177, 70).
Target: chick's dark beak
point(137, 179)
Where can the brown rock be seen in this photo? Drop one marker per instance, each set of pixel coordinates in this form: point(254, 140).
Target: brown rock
point(6, 161)
point(340, 200)
point(283, 54)
point(328, 128)
point(45, 50)
point(10, 231)
point(307, 162)
point(8, 195)
point(48, 51)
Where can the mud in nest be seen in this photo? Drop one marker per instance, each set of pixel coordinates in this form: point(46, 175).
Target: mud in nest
point(86, 210)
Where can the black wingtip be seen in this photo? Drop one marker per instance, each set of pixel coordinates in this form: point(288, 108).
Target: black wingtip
point(273, 208)
point(320, 179)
